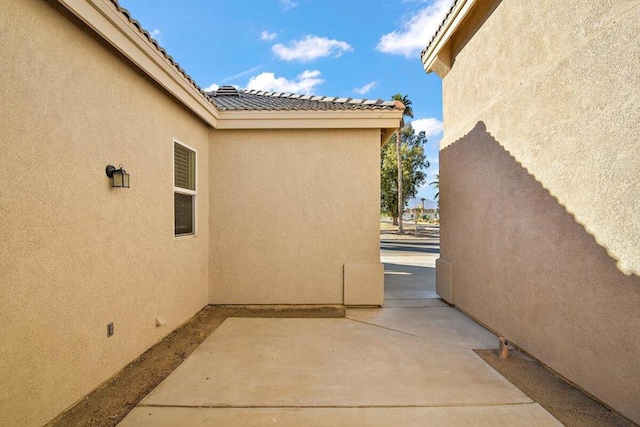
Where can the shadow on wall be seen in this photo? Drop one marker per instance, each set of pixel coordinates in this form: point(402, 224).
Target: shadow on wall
point(472, 159)
point(523, 266)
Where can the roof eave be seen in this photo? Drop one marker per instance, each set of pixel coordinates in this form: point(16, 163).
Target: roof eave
point(111, 24)
point(437, 56)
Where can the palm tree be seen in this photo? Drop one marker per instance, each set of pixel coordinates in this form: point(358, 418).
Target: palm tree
point(436, 185)
point(408, 112)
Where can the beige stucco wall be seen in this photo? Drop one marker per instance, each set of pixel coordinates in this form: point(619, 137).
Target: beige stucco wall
point(540, 189)
point(75, 253)
point(289, 208)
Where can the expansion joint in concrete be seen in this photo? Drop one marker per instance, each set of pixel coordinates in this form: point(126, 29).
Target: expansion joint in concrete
point(453, 405)
point(412, 335)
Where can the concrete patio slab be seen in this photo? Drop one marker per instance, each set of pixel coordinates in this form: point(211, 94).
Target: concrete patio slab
point(409, 363)
point(444, 325)
point(328, 362)
point(525, 415)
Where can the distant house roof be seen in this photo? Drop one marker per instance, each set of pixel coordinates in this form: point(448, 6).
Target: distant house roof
point(228, 98)
point(428, 203)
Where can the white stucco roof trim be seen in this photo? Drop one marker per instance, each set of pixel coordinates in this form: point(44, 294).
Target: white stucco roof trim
point(435, 57)
point(385, 120)
point(110, 23)
point(340, 119)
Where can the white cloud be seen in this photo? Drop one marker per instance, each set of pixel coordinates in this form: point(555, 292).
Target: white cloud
point(310, 48)
point(431, 126)
point(416, 32)
point(366, 88)
point(304, 83)
point(211, 87)
point(287, 4)
point(266, 35)
point(155, 33)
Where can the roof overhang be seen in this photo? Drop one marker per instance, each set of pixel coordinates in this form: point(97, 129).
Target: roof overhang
point(112, 25)
point(437, 56)
point(386, 120)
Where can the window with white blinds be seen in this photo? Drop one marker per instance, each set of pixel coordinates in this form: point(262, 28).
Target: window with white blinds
point(184, 189)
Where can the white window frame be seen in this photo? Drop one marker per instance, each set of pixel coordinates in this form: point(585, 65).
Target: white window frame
point(184, 191)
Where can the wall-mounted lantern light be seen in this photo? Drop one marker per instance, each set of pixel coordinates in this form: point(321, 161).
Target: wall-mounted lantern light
point(119, 177)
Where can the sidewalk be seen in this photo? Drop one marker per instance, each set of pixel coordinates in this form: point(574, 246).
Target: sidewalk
point(408, 363)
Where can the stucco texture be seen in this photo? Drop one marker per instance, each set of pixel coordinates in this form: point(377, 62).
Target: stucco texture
point(288, 210)
point(540, 192)
point(77, 254)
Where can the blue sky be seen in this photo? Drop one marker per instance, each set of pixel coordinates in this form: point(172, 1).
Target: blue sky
point(348, 48)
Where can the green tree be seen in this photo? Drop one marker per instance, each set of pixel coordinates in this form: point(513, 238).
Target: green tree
point(408, 112)
point(413, 165)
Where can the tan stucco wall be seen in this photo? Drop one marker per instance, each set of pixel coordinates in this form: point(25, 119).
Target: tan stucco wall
point(540, 189)
point(76, 254)
point(289, 208)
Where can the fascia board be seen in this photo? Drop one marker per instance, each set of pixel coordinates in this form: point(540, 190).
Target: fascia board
point(372, 119)
point(449, 27)
point(112, 25)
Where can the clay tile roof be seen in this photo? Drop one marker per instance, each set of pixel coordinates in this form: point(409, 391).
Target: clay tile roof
point(228, 98)
point(439, 28)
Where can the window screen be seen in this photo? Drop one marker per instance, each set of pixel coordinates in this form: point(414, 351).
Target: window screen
point(183, 209)
point(184, 167)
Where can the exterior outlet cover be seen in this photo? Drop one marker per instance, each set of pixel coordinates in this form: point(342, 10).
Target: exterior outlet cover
point(110, 329)
point(160, 321)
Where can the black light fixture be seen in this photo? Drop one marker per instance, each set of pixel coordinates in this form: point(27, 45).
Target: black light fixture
point(119, 177)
